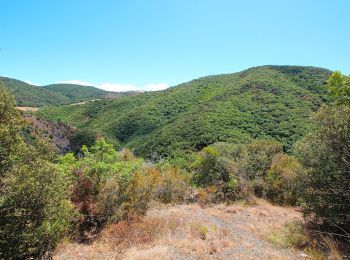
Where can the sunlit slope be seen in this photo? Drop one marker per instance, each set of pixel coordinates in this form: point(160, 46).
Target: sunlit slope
point(262, 102)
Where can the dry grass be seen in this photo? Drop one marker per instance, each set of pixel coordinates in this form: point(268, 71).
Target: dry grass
point(156, 252)
point(190, 231)
point(28, 108)
point(333, 248)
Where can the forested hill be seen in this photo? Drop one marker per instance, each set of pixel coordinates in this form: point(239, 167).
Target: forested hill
point(53, 95)
point(261, 102)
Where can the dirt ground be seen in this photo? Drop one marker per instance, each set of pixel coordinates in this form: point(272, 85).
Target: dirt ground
point(192, 232)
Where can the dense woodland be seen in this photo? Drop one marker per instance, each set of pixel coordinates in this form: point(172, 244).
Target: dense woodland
point(277, 133)
point(264, 102)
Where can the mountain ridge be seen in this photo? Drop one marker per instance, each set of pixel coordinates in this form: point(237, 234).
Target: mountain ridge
point(28, 95)
point(260, 102)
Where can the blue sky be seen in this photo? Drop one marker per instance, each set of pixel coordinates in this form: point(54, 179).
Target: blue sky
point(150, 44)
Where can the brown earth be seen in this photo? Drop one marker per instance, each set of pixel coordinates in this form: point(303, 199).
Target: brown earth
point(57, 133)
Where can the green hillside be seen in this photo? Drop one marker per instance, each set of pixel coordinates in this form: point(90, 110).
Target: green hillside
point(262, 102)
point(32, 96)
point(52, 95)
point(77, 92)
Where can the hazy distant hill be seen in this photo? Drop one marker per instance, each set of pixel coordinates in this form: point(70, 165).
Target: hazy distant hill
point(55, 94)
point(262, 102)
point(77, 92)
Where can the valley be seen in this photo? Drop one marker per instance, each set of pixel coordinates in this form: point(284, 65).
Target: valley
point(222, 167)
point(263, 102)
point(175, 130)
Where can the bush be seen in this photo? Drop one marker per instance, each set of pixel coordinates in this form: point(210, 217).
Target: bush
point(110, 186)
point(325, 156)
point(101, 177)
point(281, 179)
point(291, 235)
point(140, 191)
point(174, 186)
point(231, 171)
point(35, 210)
point(256, 162)
point(82, 137)
point(209, 169)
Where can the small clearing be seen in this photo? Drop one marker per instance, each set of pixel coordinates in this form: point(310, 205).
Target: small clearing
point(192, 232)
point(28, 108)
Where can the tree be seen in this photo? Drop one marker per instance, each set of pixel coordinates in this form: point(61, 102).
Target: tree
point(35, 210)
point(325, 156)
point(339, 87)
point(10, 126)
point(82, 137)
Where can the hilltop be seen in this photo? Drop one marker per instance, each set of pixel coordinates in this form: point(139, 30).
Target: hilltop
point(261, 102)
point(28, 95)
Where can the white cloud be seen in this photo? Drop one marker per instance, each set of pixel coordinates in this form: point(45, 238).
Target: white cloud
point(30, 82)
point(119, 87)
point(155, 86)
point(77, 82)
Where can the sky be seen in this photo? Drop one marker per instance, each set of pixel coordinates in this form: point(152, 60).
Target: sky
point(153, 44)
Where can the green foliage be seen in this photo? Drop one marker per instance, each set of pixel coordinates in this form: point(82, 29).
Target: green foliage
point(35, 210)
point(173, 186)
point(100, 177)
point(209, 169)
point(230, 171)
point(339, 87)
point(10, 126)
point(110, 185)
point(324, 154)
point(52, 95)
point(291, 235)
point(264, 102)
point(76, 93)
point(281, 179)
point(82, 137)
point(257, 161)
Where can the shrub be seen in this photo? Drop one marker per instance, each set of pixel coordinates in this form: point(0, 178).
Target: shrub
point(101, 178)
point(200, 230)
point(140, 191)
point(325, 156)
point(281, 179)
point(209, 169)
point(82, 137)
point(256, 163)
point(35, 211)
point(291, 235)
point(110, 186)
point(230, 171)
point(174, 186)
